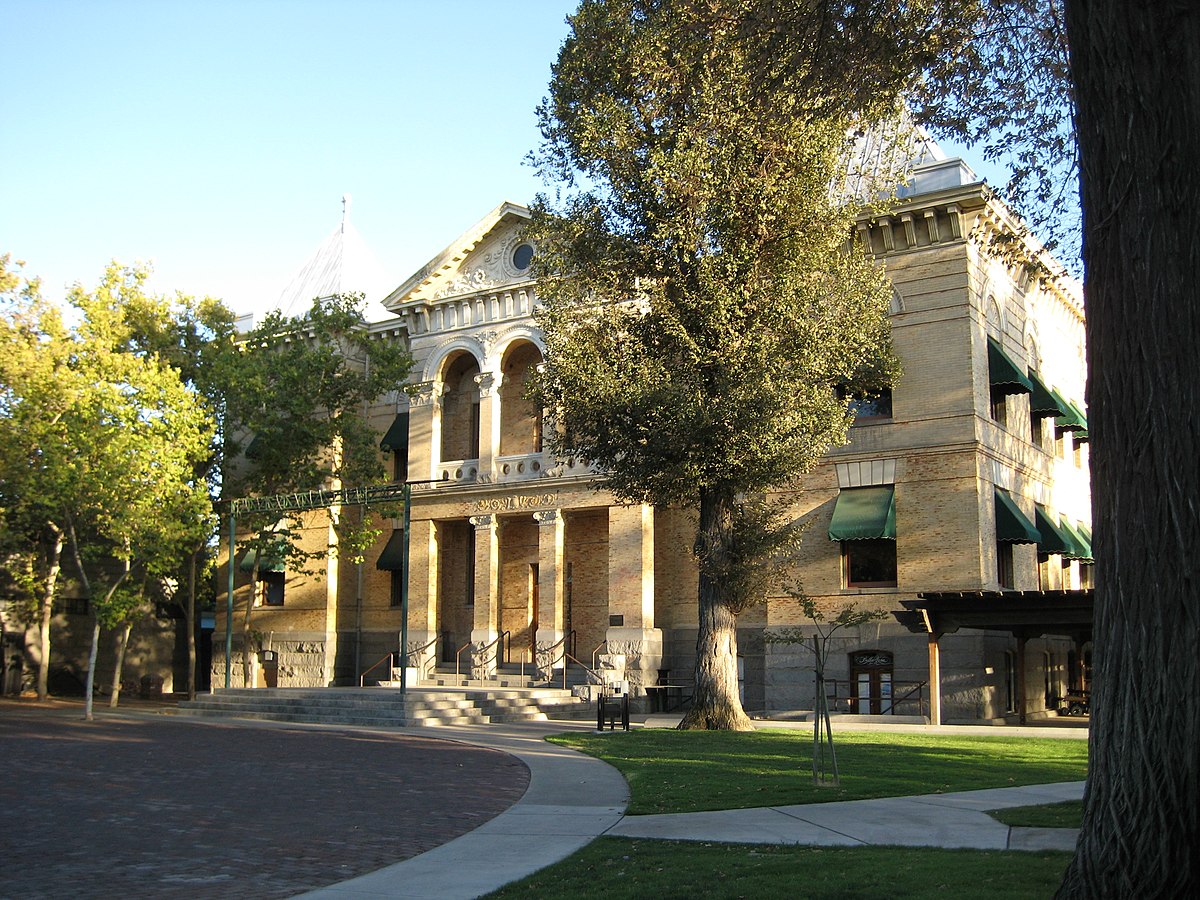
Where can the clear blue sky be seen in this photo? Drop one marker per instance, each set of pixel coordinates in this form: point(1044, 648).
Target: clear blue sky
point(215, 138)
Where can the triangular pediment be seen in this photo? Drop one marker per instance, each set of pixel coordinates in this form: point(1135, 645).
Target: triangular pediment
point(483, 258)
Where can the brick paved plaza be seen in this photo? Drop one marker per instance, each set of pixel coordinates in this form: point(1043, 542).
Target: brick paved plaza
point(155, 806)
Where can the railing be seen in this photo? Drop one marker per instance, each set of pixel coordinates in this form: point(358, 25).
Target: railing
point(388, 658)
point(565, 645)
point(603, 643)
point(567, 659)
point(903, 692)
point(426, 661)
point(494, 645)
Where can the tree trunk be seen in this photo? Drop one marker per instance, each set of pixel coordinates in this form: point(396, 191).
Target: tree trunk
point(53, 565)
point(91, 667)
point(1136, 69)
point(715, 705)
point(189, 616)
point(247, 668)
point(122, 644)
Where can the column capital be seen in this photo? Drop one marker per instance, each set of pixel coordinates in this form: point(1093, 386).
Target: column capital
point(423, 394)
point(487, 383)
point(481, 521)
point(547, 516)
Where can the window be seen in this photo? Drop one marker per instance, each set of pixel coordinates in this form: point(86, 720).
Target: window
point(1004, 565)
point(1037, 433)
point(397, 597)
point(999, 408)
point(522, 257)
point(270, 588)
point(869, 563)
point(1087, 576)
point(872, 405)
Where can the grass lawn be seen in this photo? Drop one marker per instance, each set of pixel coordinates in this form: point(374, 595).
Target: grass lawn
point(614, 868)
point(1055, 815)
point(673, 771)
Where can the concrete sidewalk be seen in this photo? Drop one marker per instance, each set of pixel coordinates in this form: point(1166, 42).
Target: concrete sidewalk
point(934, 820)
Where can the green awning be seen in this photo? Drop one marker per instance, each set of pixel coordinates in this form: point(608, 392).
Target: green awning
point(1012, 525)
point(270, 562)
point(392, 557)
point(1072, 418)
point(1004, 375)
point(1079, 547)
point(396, 438)
point(1042, 402)
point(864, 513)
point(1052, 539)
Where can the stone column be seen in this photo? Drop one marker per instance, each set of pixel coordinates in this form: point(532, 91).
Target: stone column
point(489, 425)
point(551, 587)
point(631, 630)
point(424, 432)
point(487, 592)
point(422, 587)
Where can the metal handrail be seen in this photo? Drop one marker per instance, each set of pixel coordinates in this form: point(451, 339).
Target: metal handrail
point(603, 643)
point(568, 658)
point(457, 656)
point(916, 688)
point(561, 643)
point(507, 652)
point(482, 650)
point(362, 677)
point(421, 650)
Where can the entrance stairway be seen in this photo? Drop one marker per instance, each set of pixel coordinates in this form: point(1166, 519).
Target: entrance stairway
point(387, 707)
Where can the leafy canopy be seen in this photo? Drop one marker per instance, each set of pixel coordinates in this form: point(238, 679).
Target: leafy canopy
point(702, 302)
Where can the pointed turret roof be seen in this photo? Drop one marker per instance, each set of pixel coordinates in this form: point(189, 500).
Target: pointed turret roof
point(341, 264)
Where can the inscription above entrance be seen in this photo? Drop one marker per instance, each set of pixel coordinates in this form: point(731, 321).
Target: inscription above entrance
point(522, 501)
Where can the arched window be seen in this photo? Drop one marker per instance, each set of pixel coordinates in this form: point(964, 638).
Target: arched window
point(520, 420)
point(460, 409)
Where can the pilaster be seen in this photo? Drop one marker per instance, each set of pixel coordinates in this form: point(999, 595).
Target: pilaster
point(489, 423)
point(631, 633)
point(423, 415)
point(551, 583)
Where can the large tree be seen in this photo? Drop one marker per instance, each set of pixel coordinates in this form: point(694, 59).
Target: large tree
point(703, 308)
point(97, 447)
point(1136, 74)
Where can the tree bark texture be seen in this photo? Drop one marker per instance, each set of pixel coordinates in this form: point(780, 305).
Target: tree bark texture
point(53, 565)
point(119, 665)
point(715, 704)
point(1136, 69)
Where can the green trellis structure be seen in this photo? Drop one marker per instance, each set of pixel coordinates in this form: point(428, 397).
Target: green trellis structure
point(304, 501)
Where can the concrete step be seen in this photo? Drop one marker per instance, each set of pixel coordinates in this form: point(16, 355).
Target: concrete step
point(388, 708)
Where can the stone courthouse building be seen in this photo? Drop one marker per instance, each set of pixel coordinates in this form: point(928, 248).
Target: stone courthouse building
point(970, 475)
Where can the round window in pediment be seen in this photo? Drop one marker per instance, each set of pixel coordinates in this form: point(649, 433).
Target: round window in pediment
point(522, 257)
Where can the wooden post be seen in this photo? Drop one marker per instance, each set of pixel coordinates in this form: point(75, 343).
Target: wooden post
point(935, 680)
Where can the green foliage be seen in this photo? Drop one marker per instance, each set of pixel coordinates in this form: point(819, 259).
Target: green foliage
point(295, 395)
point(1005, 85)
point(673, 771)
point(702, 302)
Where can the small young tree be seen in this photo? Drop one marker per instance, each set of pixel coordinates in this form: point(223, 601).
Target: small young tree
point(298, 389)
point(824, 757)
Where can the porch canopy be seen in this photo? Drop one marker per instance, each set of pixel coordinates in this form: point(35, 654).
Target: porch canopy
point(1023, 614)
